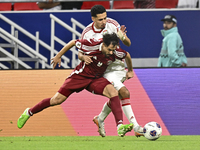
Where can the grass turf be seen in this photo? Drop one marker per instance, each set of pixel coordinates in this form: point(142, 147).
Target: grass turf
point(99, 143)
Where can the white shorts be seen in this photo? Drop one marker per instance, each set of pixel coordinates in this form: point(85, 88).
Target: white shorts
point(116, 78)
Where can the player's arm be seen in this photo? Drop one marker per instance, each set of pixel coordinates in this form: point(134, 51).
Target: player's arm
point(128, 60)
point(57, 59)
point(123, 37)
point(87, 59)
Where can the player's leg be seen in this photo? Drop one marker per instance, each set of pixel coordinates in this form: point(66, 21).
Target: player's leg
point(117, 78)
point(102, 86)
point(68, 87)
point(127, 109)
point(116, 109)
point(45, 103)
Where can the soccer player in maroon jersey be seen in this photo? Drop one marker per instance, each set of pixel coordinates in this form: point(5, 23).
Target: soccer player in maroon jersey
point(89, 76)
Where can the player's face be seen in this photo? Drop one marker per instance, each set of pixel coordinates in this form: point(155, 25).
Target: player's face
point(100, 20)
point(108, 50)
point(168, 25)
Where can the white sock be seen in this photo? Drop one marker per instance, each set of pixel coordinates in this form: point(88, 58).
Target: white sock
point(119, 125)
point(130, 115)
point(105, 112)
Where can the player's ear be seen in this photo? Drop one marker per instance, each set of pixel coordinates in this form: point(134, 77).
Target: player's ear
point(93, 19)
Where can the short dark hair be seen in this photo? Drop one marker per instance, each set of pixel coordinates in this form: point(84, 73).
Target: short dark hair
point(97, 9)
point(110, 39)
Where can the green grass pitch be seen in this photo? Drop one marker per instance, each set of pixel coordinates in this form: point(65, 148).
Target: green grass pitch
point(99, 143)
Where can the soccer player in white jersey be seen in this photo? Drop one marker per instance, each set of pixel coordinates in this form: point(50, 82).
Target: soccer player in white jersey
point(115, 72)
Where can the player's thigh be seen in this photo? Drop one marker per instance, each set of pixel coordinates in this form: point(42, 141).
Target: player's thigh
point(74, 83)
point(97, 86)
point(116, 78)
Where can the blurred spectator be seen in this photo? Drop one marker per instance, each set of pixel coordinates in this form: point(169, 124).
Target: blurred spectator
point(172, 51)
point(71, 5)
point(50, 5)
point(188, 4)
point(144, 3)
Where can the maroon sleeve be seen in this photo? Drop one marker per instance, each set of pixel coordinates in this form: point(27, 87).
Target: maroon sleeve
point(120, 53)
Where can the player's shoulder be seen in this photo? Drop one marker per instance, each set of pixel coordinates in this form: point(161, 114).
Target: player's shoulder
point(112, 21)
point(120, 53)
point(88, 27)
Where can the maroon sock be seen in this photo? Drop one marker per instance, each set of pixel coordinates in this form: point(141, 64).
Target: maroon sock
point(116, 109)
point(40, 106)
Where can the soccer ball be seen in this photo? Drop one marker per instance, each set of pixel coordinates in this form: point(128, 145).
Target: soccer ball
point(152, 131)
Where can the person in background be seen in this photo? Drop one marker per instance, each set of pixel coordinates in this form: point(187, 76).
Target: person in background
point(50, 5)
point(172, 51)
point(188, 4)
point(144, 4)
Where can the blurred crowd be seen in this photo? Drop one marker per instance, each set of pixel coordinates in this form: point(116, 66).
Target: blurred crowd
point(134, 4)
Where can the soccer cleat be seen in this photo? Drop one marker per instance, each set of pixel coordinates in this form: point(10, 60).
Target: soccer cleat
point(100, 125)
point(123, 129)
point(22, 119)
point(139, 131)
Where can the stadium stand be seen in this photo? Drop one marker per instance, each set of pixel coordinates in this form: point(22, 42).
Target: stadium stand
point(26, 6)
point(166, 3)
point(5, 6)
point(123, 5)
point(89, 4)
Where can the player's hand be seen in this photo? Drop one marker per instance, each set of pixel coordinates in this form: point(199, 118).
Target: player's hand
point(56, 61)
point(129, 75)
point(123, 29)
point(87, 59)
point(122, 32)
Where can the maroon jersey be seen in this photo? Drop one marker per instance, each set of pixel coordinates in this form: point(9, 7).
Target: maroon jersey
point(97, 68)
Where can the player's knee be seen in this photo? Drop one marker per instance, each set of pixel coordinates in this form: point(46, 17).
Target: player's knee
point(124, 92)
point(110, 91)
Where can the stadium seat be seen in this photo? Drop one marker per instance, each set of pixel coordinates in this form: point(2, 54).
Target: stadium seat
point(123, 5)
point(90, 4)
point(26, 6)
point(5, 6)
point(166, 3)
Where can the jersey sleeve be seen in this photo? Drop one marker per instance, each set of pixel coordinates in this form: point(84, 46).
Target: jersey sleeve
point(120, 53)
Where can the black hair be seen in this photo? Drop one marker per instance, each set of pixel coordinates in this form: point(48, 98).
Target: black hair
point(110, 39)
point(97, 9)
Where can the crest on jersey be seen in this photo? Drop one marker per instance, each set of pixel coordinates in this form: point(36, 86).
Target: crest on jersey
point(109, 62)
point(78, 44)
point(99, 64)
point(105, 32)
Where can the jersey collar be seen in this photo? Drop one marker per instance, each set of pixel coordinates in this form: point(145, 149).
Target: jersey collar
point(95, 29)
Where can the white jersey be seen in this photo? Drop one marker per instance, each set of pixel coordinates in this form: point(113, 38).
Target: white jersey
point(91, 32)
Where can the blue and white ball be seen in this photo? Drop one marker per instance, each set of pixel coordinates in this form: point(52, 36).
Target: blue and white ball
point(152, 131)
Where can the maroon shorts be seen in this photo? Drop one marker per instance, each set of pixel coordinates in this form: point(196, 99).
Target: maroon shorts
point(77, 83)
